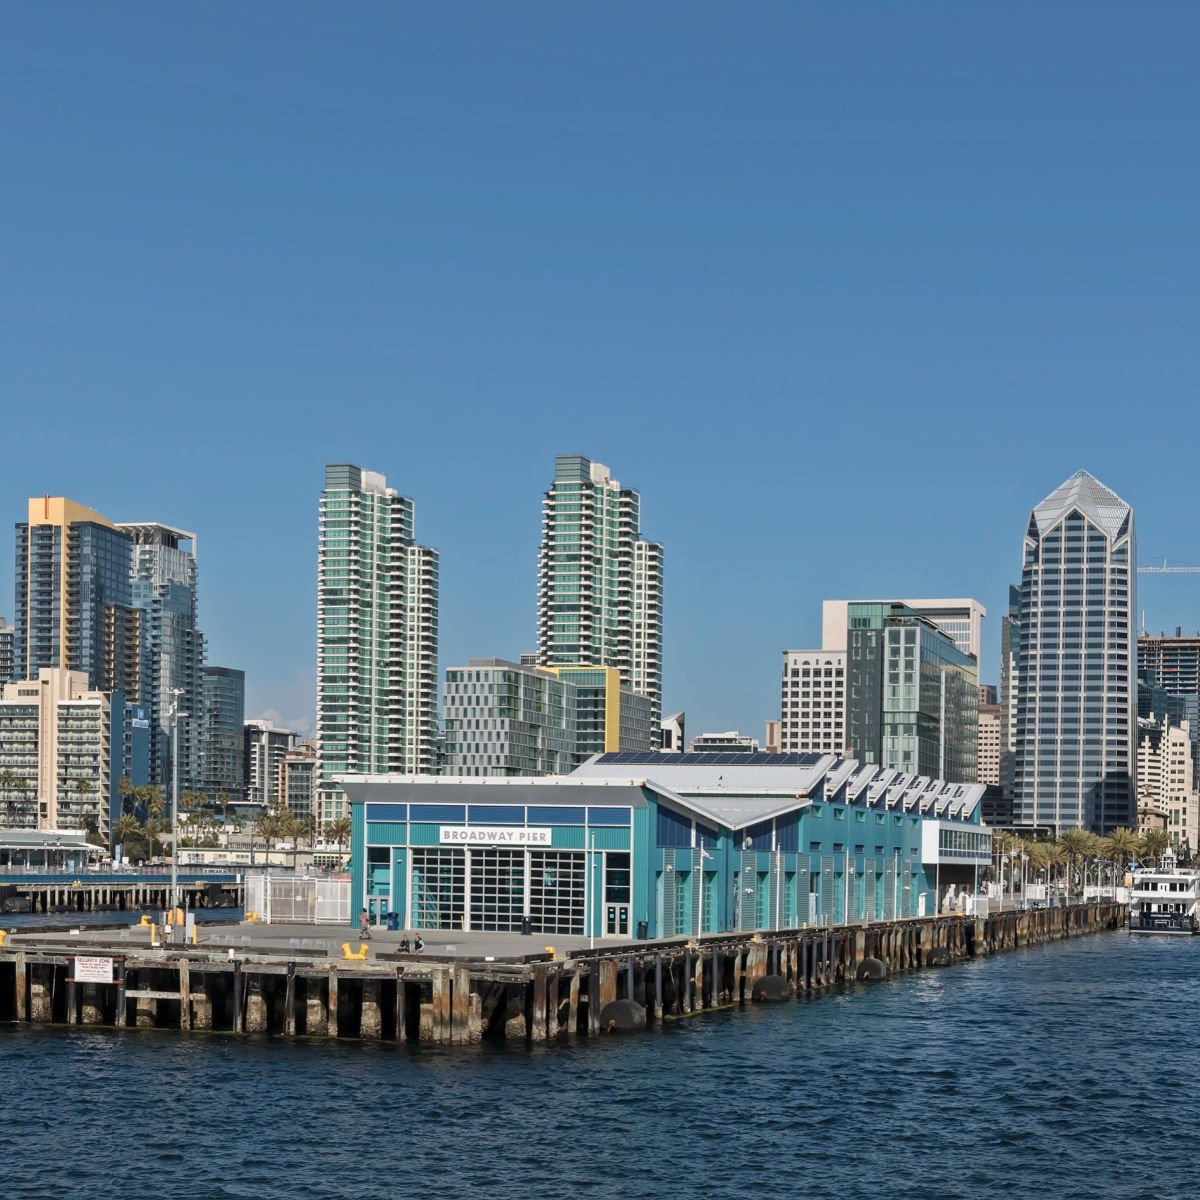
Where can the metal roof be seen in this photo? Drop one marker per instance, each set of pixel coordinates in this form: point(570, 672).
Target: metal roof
point(1087, 494)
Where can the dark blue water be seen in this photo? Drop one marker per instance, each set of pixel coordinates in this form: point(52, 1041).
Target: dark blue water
point(1061, 1071)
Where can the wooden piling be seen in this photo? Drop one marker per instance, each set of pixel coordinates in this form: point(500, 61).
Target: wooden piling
point(371, 1018)
point(289, 1002)
point(185, 996)
point(331, 1004)
point(20, 986)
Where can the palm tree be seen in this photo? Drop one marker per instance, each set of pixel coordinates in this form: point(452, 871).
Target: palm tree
point(1154, 842)
point(153, 829)
point(1075, 843)
point(128, 793)
point(10, 782)
point(339, 831)
point(1120, 846)
point(126, 830)
point(83, 789)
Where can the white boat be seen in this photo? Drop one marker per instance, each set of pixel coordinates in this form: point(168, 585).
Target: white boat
point(1165, 899)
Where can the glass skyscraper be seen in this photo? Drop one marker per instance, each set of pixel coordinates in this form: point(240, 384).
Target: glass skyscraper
point(163, 590)
point(74, 602)
point(1075, 736)
point(912, 696)
point(599, 584)
point(377, 636)
point(221, 725)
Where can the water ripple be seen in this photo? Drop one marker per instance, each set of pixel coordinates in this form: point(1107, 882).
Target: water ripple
point(1056, 1071)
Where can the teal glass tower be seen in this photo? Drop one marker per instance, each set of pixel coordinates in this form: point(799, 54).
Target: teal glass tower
point(377, 636)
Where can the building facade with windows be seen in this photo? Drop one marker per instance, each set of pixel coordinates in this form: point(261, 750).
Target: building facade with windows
point(813, 706)
point(264, 747)
point(912, 696)
point(163, 591)
point(74, 600)
point(665, 844)
point(501, 718)
point(1165, 780)
point(221, 722)
point(63, 750)
point(600, 584)
point(729, 742)
point(295, 786)
point(960, 619)
point(1075, 750)
point(377, 635)
point(7, 640)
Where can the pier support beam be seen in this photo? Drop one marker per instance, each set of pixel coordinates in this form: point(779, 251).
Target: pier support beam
point(202, 1003)
point(256, 1007)
point(91, 1010)
point(331, 1004)
point(371, 1022)
point(20, 987)
point(315, 1024)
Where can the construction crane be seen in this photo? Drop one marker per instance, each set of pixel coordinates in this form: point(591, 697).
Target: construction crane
point(1166, 570)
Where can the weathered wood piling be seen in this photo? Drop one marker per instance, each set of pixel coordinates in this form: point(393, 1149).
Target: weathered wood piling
point(420, 998)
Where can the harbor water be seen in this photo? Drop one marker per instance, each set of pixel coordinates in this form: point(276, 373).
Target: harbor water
point(1063, 1070)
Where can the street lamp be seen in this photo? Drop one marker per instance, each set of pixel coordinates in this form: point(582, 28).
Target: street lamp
point(700, 894)
point(174, 715)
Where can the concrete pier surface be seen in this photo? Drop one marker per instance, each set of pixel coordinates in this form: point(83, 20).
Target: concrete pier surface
point(321, 981)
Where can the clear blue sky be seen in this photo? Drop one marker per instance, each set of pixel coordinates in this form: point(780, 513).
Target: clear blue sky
point(843, 290)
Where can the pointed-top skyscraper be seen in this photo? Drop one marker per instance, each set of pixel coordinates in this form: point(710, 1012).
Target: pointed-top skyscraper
point(1074, 756)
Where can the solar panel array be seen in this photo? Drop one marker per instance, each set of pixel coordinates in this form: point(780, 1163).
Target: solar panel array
point(646, 758)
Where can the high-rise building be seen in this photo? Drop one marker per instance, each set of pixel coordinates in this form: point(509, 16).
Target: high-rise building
point(501, 718)
point(599, 584)
point(64, 748)
point(265, 746)
point(912, 694)
point(813, 702)
point(295, 786)
point(1172, 666)
point(609, 717)
point(163, 590)
point(74, 603)
point(7, 639)
point(1010, 644)
point(1164, 777)
point(377, 636)
point(988, 694)
point(990, 739)
point(221, 724)
point(961, 619)
point(1076, 701)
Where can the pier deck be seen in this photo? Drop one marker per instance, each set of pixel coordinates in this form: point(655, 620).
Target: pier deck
point(293, 980)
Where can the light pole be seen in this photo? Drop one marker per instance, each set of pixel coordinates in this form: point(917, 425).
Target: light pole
point(700, 894)
point(175, 715)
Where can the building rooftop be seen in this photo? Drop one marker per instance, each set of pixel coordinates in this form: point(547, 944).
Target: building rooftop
point(1087, 494)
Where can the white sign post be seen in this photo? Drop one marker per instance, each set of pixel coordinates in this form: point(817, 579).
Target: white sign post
point(90, 969)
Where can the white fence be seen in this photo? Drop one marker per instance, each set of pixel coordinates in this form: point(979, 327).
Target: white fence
point(297, 899)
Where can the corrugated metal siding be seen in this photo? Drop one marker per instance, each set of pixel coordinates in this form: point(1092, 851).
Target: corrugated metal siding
point(386, 833)
point(423, 835)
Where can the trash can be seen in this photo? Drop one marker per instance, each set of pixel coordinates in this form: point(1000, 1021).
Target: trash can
point(643, 930)
point(393, 922)
point(526, 926)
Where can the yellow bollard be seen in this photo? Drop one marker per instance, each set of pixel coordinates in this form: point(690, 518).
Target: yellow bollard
point(252, 918)
point(195, 930)
point(550, 951)
point(3, 935)
point(349, 954)
point(145, 919)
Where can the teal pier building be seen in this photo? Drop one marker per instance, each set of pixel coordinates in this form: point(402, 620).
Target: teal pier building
point(663, 845)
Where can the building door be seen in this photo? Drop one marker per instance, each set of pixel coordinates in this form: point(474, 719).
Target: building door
point(497, 889)
point(617, 893)
point(438, 888)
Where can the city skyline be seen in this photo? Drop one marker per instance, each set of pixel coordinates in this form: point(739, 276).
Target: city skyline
point(750, 264)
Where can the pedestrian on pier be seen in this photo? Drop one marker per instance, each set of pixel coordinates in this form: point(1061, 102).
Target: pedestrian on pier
point(364, 926)
point(418, 942)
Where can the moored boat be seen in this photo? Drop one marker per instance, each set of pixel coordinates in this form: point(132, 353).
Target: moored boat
point(1165, 899)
